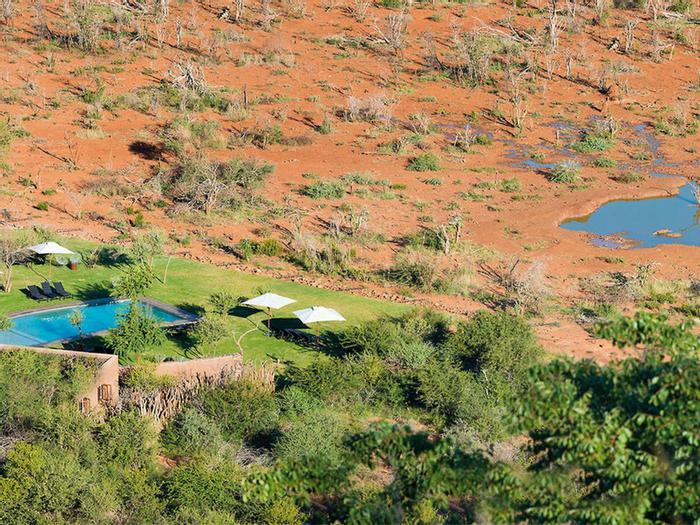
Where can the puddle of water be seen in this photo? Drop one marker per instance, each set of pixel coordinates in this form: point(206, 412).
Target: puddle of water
point(674, 220)
point(652, 141)
point(534, 164)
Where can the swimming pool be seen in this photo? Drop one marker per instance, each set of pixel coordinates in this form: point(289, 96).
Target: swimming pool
point(52, 325)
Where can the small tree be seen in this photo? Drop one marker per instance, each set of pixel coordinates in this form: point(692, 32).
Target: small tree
point(5, 323)
point(136, 331)
point(147, 246)
point(11, 252)
point(615, 443)
point(76, 319)
point(134, 282)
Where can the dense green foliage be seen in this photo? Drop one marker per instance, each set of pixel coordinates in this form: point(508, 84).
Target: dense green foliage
point(137, 329)
point(410, 420)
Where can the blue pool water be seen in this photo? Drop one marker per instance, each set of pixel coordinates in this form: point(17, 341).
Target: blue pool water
point(638, 220)
point(41, 327)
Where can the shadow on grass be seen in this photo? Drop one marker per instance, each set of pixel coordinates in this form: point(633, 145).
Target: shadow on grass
point(243, 311)
point(185, 344)
point(88, 291)
point(192, 308)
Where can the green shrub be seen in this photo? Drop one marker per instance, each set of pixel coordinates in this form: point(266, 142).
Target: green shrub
point(185, 135)
point(209, 329)
point(243, 410)
point(5, 323)
point(413, 268)
point(136, 330)
point(565, 173)
point(363, 179)
point(604, 162)
point(270, 247)
point(498, 345)
point(325, 127)
point(201, 487)
point(191, 433)
point(222, 302)
point(456, 395)
point(191, 180)
point(510, 185)
point(330, 380)
point(482, 140)
point(32, 384)
point(128, 440)
point(317, 434)
point(594, 142)
point(42, 206)
point(629, 177)
point(324, 189)
point(424, 162)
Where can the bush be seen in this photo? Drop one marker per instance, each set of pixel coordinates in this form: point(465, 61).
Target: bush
point(197, 486)
point(414, 268)
point(456, 395)
point(184, 135)
point(128, 440)
point(222, 302)
point(324, 189)
point(194, 178)
point(510, 185)
point(330, 380)
point(243, 410)
point(270, 247)
point(381, 336)
point(32, 384)
point(499, 346)
point(629, 177)
point(209, 329)
point(565, 173)
point(191, 433)
point(136, 331)
point(5, 323)
point(317, 434)
point(604, 162)
point(594, 142)
point(424, 162)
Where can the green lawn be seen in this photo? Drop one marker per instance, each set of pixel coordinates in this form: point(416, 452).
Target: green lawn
point(189, 285)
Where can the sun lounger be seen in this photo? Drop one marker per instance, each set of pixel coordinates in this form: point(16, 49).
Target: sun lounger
point(47, 291)
point(35, 293)
point(60, 290)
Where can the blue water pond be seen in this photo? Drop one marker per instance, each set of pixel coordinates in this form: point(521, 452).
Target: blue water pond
point(646, 222)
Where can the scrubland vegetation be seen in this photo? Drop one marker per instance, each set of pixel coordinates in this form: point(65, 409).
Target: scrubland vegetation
point(412, 420)
point(416, 152)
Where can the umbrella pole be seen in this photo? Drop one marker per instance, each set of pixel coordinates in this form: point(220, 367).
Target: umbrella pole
point(269, 319)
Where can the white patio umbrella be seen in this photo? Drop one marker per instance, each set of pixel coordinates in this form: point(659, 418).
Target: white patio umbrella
point(318, 314)
point(269, 301)
point(50, 249)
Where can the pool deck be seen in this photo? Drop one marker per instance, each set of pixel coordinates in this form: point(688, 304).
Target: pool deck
point(187, 318)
